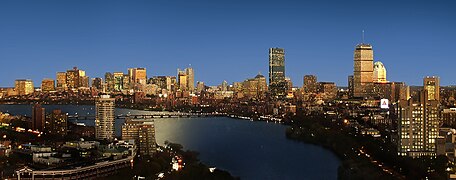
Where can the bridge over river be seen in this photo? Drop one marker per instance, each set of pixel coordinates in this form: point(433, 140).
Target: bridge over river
point(150, 116)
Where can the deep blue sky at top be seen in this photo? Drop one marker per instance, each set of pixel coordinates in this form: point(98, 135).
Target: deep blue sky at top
point(226, 40)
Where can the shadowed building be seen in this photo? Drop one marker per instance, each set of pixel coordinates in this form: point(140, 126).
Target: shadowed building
point(277, 84)
point(38, 117)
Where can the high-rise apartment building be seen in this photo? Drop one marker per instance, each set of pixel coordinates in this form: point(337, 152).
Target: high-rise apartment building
point(432, 85)
point(310, 84)
point(47, 85)
point(24, 87)
point(104, 117)
point(379, 72)
point(143, 132)
point(418, 126)
point(277, 84)
point(363, 70)
point(38, 117)
point(57, 123)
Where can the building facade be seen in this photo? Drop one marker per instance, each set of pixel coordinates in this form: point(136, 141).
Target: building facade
point(47, 85)
point(277, 84)
point(363, 70)
point(24, 87)
point(104, 117)
point(432, 85)
point(143, 132)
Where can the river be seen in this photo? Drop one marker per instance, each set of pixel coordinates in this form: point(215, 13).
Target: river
point(248, 149)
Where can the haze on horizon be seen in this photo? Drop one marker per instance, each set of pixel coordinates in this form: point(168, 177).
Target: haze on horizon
point(225, 40)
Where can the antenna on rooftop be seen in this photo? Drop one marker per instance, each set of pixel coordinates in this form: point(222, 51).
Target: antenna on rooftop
point(363, 36)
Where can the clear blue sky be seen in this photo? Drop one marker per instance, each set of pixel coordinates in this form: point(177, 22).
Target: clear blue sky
point(226, 40)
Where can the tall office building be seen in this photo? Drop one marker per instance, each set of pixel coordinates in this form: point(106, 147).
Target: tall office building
point(47, 85)
point(432, 85)
point(97, 83)
point(310, 84)
point(190, 79)
point(104, 117)
point(24, 87)
point(277, 84)
point(379, 72)
point(418, 126)
point(109, 81)
point(143, 132)
point(182, 79)
point(61, 81)
point(38, 117)
point(118, 81)
point(200, 87)
point(57, 123)
point(75, 78)
point(137, 75)
point(363, 70)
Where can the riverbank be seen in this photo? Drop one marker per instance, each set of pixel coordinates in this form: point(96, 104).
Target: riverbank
point(327, 134)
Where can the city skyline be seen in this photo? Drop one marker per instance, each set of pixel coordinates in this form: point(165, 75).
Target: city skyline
point(159, 38)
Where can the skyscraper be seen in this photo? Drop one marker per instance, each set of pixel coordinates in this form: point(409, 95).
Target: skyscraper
point(432, 85)
point(363, 70)
point(76, 78)
point(118, 81)
point(138, 75)
point(190, 79)
point(38, 117)
point(61, 81)
point(379, 72)
point(24, 87)
point(97, 83)
point(182, 80)
point(277, 84)
point(109, 81)
point(104, 117)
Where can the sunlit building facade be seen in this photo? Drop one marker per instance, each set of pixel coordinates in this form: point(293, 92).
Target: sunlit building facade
point(379, 72)
point(432, 85)
point(48, 85)
point(61, 81)
point(363, 70)
point(24, 87)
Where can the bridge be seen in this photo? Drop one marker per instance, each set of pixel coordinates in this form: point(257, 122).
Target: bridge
point(149, 116)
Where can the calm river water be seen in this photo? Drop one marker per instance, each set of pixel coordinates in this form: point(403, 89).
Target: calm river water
point(248, 149)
